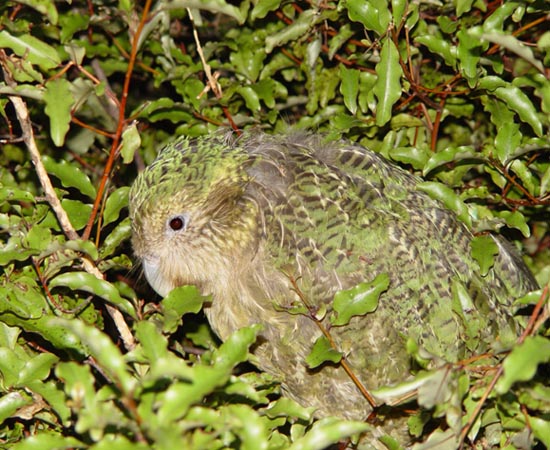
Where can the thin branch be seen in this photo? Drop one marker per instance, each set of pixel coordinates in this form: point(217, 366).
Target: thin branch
point(22, 114)
point(57, 305)
point(437, 122)
point(24, 120)
point(212, 79)
point(334, 346)
point(91, 128)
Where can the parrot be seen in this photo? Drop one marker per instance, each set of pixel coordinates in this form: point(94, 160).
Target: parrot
point(265, 223)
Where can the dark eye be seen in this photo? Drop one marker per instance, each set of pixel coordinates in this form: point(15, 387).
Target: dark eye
point(177, 223)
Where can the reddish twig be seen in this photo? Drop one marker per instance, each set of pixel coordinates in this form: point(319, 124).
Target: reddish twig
point(57, 305)
point(494, 48)
point(113, 154)
point(437, 122)
point(334, 346)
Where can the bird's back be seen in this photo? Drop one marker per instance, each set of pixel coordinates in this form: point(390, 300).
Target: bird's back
point(335, 214)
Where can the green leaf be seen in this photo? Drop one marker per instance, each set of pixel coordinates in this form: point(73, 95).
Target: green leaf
point(293, 31)
point(78, 212)
point(269, 90)
point(328, 431)
point(51, 392)
point(235, 349)
point(387, 88)
point(45, 7)
point(250, 97)
point(439, 46)
point(521, 364)
point(528, 180)
point(248, 61)
point(484, 250)
point(338, 40)
point(515, 99)
point(450, 154)
point(131, 141)
point(248, 426)
point(463, 6)
point(118, 442)
point(468, 53)
point(181, 300)
point(87, 282)
point(14, 194)
point(261, 9)
point(398, 8)
point(11, 365)
point(86, 247)
point(59, 101)
point(38, 238)
point(116, 201)
point(491, 83)
point(78, 382)
point(37, 368)
point(12, 401)
point(367, 13)
point(415, 156)
point(48, 441)
point(286, 407)
point(349, 87)
point(495, 21)
point(541, 429)
point(31, 48)
point(179, 397)
point(72, 23)
point(359, 300)
point(117, 236)
point(22, 298)
point(70, 175)
point(508, 137)
point(106, 354)
point(448, 197)
point(155, 345)
point(515, 219)
point(8, 336)
point(507, 140)
point(513, 44)
point(322, 352)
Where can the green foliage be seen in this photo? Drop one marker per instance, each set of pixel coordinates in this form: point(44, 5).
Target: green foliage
point(456, 91)
point(360, 300)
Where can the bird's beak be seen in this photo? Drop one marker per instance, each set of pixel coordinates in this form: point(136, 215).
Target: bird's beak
point(153, 274)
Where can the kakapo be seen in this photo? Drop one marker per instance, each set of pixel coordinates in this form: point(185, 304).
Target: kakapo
point(255, 220)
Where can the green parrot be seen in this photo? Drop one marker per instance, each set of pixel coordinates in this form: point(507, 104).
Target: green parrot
point(265, 223)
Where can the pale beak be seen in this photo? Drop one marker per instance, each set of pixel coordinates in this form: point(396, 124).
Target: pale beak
point(155, 278)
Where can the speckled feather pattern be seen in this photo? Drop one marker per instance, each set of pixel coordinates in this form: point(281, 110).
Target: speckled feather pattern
point(331, 214)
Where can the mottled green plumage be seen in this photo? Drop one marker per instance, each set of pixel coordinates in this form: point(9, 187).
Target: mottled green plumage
point(257, 209)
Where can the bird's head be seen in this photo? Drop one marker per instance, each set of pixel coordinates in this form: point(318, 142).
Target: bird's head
point(191, 222)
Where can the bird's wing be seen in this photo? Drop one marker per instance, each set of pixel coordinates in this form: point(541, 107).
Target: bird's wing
point(338, 214)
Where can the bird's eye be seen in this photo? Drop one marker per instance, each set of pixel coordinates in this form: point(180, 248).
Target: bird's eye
point(177, 223)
